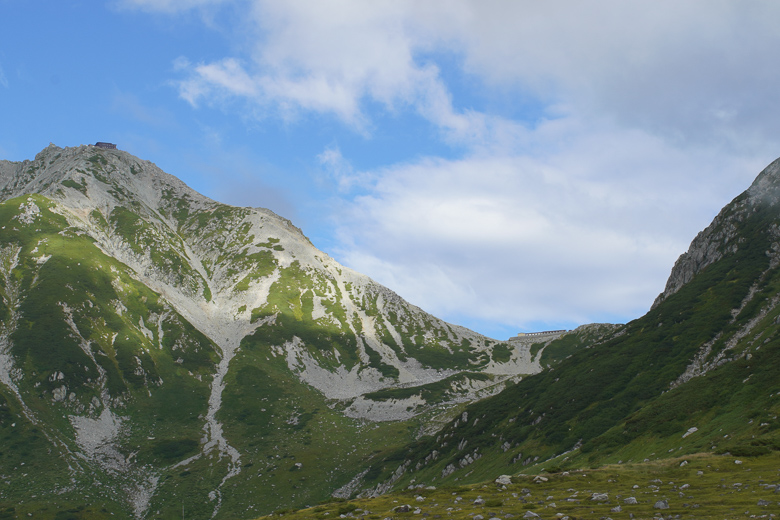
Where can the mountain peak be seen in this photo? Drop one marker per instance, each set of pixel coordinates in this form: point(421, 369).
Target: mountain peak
point(128, 295)
point(722, 236)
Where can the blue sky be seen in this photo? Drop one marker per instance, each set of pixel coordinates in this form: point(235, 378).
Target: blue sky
point(507, 166)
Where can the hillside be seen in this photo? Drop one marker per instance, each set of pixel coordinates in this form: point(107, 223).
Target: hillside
point(700, 372)
point(700, 487)
point(160, 351)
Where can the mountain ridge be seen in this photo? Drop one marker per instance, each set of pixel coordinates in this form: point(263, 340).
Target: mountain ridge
point(700, 372)
point(126, 293)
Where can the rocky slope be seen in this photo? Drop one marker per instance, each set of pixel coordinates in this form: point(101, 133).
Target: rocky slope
point(164, 350)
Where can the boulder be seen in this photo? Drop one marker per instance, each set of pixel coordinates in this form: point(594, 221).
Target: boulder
point(403, 509)
point(599, 497)
point(504, 480)
point(661, 504)
point(630, 500)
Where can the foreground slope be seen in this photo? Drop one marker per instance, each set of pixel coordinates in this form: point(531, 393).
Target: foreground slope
point(698, 487)
point(700, 372)
point(160, 350)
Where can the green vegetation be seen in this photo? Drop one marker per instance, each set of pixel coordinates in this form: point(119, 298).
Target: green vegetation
point(431, 392)
point(69, 183)
point(502, 353)
point(696, 487)
point(614, 401)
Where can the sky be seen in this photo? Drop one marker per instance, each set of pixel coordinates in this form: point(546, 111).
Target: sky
point(509, 166)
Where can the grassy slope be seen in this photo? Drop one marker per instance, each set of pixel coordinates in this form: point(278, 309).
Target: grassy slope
point(614, 400)
point(696, 487)
point(152, 382)
point(107, 307)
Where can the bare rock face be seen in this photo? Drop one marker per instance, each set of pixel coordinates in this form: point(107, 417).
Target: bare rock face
point(721, 237)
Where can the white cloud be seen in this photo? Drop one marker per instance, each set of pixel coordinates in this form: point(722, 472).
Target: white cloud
point(658, 113)
point(341, 171)
point(570, 237)
point(697, 70)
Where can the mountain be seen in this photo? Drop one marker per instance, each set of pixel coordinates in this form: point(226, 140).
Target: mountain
point(163, 355)
point(699, 373)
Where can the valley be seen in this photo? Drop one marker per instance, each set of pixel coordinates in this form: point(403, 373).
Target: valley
point(163, 355)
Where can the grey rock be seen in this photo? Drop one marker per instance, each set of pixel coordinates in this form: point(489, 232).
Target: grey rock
point(661, 504)
point(630, 500)
point(599, 497)
point(530, 514)
point(479, 502)
point(616, 509)
point(504, 480)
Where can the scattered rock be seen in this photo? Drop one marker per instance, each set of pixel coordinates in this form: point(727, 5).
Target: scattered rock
point(630, 500)
point(402, 509)
point(530, 514)
point(616, 509)
point(479, 502)
point(690, 431)
point(661, 504)
point(764, 503)
point(599, 497)
point(419, 498)
point(504, 480)
point(737, 462)
point(539, 478)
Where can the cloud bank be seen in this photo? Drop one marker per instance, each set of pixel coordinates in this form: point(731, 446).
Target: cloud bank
point(586, 142)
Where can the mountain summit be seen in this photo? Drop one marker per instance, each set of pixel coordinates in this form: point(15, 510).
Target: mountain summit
point(161, 350)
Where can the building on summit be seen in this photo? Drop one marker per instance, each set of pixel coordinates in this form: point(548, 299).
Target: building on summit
point(108, 146)
point(545, 333)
